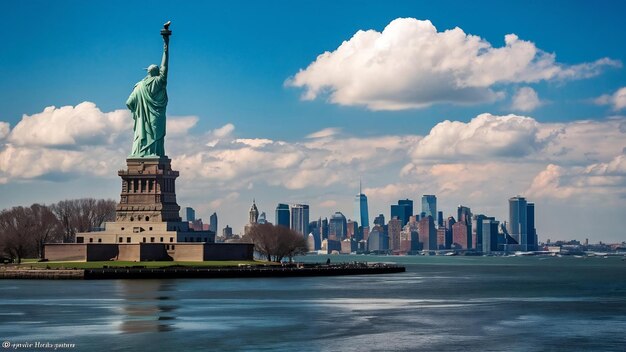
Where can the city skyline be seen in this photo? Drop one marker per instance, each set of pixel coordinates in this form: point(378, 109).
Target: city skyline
point(261, 106)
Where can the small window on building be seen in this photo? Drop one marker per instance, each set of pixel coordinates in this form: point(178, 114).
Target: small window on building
point(131, 218)
point(122, 229)
point(121, 239)
point(172, 246)
point(150, 228)
point(161, 240)
point(90, 240)
point(171, 239)
point(127, 239)
point(144, 240)
point(147, 218)
point(151, 239)
point(99, 240)
point(80, 239)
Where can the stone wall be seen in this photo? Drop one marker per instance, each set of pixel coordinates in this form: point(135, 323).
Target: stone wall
point(101, 252)
point(228, 251)
point(153, 252)
point(189, 252)
point(66, 252)
point(135, 252)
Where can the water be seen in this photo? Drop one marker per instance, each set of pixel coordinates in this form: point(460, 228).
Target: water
point(439, 304)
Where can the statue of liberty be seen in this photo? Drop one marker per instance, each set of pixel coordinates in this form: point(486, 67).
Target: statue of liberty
point(148, 102)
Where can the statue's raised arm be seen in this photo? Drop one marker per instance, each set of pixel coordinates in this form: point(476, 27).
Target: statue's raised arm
point(165, 32)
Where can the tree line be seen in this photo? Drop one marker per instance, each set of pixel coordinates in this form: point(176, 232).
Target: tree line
point(25, 230)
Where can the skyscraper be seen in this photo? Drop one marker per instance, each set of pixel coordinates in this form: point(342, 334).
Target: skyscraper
point(518, 222)
point(530, 227)
point(378, 241)
point(190, 214)
point(427, 233)
point(465, 216)
point(477, 231)
point(403, 210)
point(213, 223)
point(394, 228)
point(337, 226)
point(352, 230)
point(489, 235)
point(379, 220)
point(263, 218)
point(282, 215)
point(314, 238)
point(429, 206)
point(408, 203)
point(253, 213)
point(449, 222)
point(227, 232)
point(252, 219)
point(460, 238)
point(360, 209)
point(300, 218)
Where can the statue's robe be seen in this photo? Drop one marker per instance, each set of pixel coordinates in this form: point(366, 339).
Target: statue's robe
point(148, 102)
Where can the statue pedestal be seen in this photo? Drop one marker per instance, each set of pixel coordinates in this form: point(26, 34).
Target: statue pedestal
point(148, 191)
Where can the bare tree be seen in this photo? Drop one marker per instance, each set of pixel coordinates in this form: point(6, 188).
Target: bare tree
point(276, 242)
point(25, 230)
point(82, 215)
point(47, 228)
point(16, 226)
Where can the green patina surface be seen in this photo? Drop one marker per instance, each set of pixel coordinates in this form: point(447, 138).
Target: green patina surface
point(148, 102)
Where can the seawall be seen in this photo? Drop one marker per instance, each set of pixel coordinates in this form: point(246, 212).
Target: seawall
point(203, 273)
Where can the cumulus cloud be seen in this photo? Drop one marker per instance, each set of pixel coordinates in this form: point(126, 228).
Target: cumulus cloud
point(480, 162)
point(410, 64)
point(70, 126)
point(485, 136)
point(180, 126)
point(616, 100)
point(525, 99)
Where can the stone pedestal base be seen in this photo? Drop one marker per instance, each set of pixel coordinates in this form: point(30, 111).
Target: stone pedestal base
point(148, 191)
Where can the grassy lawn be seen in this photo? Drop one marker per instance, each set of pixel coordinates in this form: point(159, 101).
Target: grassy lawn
point(110, 264)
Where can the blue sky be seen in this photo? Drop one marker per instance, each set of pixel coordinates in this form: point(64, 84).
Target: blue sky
point(232, 63)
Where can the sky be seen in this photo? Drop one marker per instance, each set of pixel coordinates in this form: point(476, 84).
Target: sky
point(294, 102)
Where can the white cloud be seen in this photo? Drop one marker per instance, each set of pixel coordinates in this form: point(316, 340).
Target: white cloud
point(71, 126)
point(224, 131)
point(617, 100)
point(525, 99)
point(481, 162)
point(326, 132)
point(254, 142)
point(412, 65)
point(180, 125)
point(485, 136)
